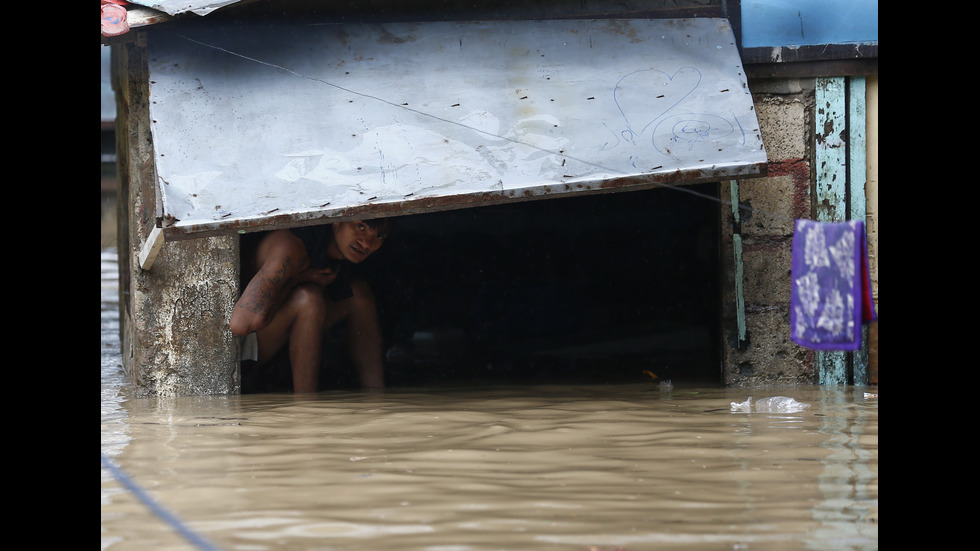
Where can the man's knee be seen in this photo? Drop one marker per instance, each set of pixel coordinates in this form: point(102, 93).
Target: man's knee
point(362, 293)
point(308, 300)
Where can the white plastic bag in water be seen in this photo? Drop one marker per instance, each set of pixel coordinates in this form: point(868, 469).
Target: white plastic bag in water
point(775, 404)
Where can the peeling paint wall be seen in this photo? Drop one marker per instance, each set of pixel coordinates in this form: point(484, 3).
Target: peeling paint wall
point(758, 238)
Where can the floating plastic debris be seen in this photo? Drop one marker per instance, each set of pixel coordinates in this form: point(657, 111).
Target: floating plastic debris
point(775, 404)
point(665, 384)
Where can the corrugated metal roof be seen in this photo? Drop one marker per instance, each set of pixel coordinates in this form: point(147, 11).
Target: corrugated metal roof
point(258, 126)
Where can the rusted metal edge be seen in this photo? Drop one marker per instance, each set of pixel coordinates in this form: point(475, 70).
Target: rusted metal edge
point(142, 17)
point(176, 230)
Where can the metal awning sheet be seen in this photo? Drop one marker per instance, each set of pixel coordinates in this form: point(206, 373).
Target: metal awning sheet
point(258, 126)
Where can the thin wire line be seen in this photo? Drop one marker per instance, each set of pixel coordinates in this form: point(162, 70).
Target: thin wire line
point(147, 500)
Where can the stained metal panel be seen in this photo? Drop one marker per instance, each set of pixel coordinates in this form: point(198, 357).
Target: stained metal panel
point(177, 7)
point(258, 126)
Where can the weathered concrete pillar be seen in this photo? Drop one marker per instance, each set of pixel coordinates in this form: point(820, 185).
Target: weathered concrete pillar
point(174, 316)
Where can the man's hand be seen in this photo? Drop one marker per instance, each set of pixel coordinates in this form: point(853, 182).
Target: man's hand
point(320, 278)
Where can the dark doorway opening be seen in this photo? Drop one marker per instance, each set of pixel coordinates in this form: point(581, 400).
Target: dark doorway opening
point(588, 289)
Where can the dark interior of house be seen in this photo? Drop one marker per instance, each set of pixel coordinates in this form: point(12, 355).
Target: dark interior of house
point(590, 289)
point(597, 288)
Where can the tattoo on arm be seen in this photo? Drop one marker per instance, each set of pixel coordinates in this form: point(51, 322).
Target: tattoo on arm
point(269, 289)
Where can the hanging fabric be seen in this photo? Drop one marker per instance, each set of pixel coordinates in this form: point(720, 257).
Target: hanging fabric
point(831, 285)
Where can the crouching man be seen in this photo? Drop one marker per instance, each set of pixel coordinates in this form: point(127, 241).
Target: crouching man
point(300, 286)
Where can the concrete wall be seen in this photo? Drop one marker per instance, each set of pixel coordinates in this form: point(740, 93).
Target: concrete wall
point(761, 234)
point(768, 207)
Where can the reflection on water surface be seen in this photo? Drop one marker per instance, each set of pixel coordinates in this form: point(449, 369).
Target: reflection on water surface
point(496, 468)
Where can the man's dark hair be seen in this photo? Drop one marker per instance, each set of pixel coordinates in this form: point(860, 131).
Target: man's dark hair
point(384, 226)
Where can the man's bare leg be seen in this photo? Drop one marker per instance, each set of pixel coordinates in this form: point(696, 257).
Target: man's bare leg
point(300, 320)
point(364, 333)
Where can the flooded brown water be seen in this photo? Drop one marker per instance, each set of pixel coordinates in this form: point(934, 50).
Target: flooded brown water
point(478, 467)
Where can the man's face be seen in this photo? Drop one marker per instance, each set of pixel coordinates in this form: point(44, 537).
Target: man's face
point(356, 240)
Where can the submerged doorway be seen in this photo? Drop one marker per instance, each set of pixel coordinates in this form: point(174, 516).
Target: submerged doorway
point(586, 289)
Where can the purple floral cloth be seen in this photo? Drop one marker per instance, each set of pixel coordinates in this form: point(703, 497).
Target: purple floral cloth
point(831, 285)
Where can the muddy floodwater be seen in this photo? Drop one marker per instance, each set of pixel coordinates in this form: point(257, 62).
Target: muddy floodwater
point(461, 467)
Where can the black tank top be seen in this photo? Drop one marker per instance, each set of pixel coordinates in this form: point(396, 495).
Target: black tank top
point(317, 239)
